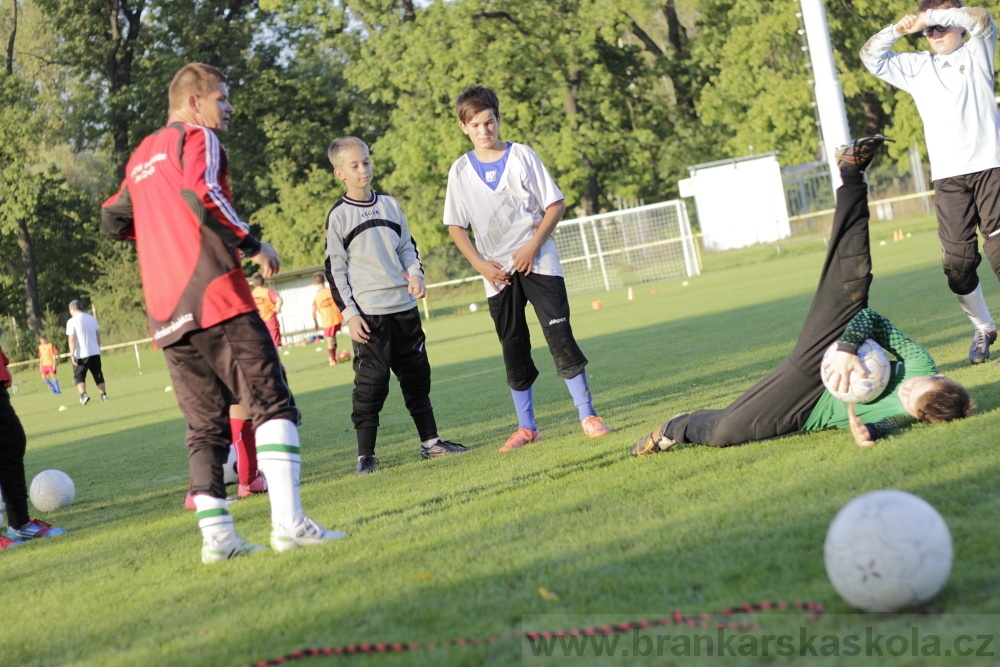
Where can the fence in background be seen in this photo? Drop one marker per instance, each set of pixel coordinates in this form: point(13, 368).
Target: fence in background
point(598, 253)
point(808, 193)
point(601, 252)
point(610, 251)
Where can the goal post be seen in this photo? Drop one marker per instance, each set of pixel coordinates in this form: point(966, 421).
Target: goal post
point(636, 245)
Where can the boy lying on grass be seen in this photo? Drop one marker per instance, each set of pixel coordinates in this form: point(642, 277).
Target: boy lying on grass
point(792, 397)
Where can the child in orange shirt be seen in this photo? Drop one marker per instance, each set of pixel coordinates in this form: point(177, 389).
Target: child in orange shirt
point(268, 305)
point(48, 359)
point(330, 318)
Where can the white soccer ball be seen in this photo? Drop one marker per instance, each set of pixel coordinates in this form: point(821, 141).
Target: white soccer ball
point(886, 550)
point(50, 490)
point(229, 475)
point(862, 390)
point(473, 307)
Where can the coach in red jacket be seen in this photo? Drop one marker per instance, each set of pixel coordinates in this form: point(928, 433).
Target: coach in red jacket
point(175, 202)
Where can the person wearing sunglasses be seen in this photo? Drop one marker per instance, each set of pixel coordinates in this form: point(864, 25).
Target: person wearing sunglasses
point(952, 86)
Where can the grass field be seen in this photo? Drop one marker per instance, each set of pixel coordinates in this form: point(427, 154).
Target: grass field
point(461, 546)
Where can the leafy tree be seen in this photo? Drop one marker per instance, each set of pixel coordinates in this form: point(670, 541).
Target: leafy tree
point(758, 97)
point(297, 110)
point(580, 81)
point(43, 237)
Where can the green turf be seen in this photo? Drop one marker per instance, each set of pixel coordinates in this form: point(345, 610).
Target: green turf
point(461, 546)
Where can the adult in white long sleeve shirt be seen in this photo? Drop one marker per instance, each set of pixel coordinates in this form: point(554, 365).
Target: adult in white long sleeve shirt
point(953, 91)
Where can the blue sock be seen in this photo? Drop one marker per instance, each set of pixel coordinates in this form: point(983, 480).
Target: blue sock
point(580, 391)
point(58, 390)
point(51, 386)
point(524, 404)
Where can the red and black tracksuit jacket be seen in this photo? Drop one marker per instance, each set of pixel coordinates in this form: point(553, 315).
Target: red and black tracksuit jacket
point(176, 204)
point(5, 377)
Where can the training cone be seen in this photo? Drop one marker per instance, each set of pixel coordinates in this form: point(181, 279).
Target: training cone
point(631, 294)
point(596, 305)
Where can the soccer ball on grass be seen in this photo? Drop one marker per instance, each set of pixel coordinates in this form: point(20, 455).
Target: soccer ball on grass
point(50, 490)
point(229, 475)
point(886, 550)
point(862, 390)
point(343, 355)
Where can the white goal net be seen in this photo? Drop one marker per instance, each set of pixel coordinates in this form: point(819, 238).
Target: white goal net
point(636, 245)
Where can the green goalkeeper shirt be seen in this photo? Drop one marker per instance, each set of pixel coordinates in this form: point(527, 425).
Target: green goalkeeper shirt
point(885, 414)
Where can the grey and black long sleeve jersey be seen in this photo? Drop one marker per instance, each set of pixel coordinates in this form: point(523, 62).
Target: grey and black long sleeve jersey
point(368, 251)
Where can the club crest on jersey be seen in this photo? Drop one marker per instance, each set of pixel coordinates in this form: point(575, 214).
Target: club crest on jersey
point(491, 176)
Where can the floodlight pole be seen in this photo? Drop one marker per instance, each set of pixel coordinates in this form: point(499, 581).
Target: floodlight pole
point(834, 131)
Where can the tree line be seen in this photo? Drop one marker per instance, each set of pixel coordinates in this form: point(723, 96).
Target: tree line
point(617, 96)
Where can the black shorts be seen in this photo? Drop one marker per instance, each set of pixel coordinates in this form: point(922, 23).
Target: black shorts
point(547, 295)
point(93, 364)
point(234, 358)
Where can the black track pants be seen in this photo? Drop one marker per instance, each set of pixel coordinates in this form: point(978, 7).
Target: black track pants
point(12, 447)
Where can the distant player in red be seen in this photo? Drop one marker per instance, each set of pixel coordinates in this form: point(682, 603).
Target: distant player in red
point(48, 357)
point(268, 305)
point(329, 319)
point(176, 204)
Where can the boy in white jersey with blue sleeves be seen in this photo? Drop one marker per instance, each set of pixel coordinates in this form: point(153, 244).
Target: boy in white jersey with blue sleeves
point(375, 277)
point(953, 91)
point(503, 191)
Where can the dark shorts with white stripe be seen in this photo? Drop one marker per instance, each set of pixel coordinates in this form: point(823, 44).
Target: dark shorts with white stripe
point(208, 367)
point(964, 204)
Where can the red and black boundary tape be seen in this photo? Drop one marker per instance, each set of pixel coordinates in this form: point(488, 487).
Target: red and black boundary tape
point(814, 609)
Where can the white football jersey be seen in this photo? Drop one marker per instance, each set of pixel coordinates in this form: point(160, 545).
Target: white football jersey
point(506, 218)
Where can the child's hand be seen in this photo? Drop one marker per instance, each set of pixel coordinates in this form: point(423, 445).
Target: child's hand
point(910, 24)
point(839, 370)
point(360, 333)
point(524, 258)
point(860, 432)
point(493, 272)
point(417, 288)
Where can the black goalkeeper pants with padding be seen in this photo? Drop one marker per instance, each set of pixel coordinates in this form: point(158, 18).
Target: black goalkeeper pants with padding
point(964, 204)
point(782, 401)
point(396, 343)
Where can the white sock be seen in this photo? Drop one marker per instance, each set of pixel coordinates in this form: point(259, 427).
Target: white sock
point(428, 443)
point(974, 305)
point(278, 458)
point(213, 516)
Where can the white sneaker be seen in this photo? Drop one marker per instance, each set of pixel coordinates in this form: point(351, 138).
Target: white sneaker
point(218, 548)
point(303, 534)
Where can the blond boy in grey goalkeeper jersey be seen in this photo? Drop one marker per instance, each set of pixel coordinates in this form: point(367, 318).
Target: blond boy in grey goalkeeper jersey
point(953, 90)
point(375, 276)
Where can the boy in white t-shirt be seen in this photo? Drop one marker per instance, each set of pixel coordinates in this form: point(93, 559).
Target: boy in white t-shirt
point(953, 91)
point(503, 191)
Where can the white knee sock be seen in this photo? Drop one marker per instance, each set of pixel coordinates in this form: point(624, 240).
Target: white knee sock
point(974, 305)
point(278, 458)
point(213, 516)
